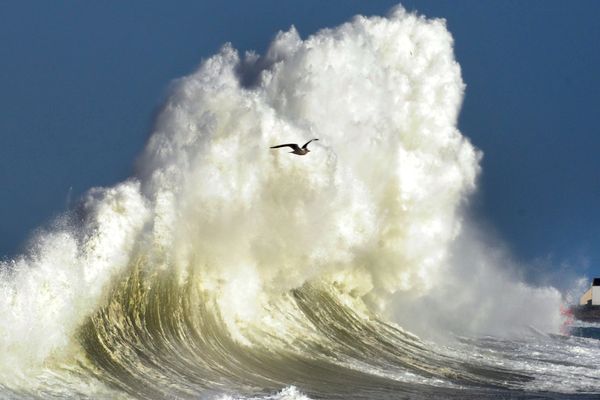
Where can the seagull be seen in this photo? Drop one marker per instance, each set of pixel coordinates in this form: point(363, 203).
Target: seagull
point(297, 149)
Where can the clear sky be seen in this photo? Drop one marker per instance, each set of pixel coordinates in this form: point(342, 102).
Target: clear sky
point(81, 81)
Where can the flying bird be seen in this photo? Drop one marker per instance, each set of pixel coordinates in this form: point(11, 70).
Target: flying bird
point(296, 149)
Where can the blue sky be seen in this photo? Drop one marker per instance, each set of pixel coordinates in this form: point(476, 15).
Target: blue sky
point(81, 82)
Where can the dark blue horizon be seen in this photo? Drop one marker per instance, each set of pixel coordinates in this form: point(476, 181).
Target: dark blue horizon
point(82, 81)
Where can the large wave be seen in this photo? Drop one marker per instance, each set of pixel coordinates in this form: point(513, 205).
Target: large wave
point(236, 266)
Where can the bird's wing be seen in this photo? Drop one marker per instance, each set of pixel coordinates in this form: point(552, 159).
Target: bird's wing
point(294, 146)
point(306, 144)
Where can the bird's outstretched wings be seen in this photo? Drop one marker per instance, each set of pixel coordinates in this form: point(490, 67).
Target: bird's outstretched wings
point(294, 146)
point(306, 144)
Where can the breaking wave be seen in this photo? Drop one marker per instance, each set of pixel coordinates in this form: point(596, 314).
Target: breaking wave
point(223, 268)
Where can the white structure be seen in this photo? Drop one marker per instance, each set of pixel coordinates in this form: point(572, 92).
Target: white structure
point(592, 296)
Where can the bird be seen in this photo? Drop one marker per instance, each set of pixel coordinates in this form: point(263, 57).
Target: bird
point(301, 151)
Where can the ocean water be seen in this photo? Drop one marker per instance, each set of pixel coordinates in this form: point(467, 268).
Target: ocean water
point(223, 269)
point(583, 329)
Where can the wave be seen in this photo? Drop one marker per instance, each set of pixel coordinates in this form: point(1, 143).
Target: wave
point(158, 338)
point(223, 268)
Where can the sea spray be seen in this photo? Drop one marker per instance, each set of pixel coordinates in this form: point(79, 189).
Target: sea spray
point(375, 202)
point(48, 293)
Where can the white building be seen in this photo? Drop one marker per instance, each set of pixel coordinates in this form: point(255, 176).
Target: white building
point(592, 296)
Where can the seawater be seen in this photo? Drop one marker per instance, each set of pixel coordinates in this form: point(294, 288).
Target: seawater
point(225, 270)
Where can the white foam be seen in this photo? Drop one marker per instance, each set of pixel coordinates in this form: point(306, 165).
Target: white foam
point(288, 393)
